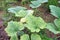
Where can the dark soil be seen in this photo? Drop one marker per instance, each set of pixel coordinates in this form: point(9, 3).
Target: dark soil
point(3, 34)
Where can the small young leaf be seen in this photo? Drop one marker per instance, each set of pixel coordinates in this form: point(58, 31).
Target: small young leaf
point(23, 20)
point(25, 37)
point(13, 27)
point(55, 11)
point(35, 23)
point(35, 37)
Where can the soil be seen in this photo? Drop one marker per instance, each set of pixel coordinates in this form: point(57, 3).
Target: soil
point(3, 34)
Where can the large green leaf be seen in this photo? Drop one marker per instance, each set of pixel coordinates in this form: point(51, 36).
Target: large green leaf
point(51, 27)
point(20, 11)
point(23, 13)
point(14, 37)
point(35, 23)
point(35, 37)
point(37, 3)
point(13, 27)
point(55, 11)
point(57, 23)
point(25, 37)
point(16, 9)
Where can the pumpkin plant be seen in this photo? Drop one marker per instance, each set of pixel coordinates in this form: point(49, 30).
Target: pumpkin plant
point(34, 24)
point(55, 27)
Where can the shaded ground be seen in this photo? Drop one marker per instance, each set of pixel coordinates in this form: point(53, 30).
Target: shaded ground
point(3, 34)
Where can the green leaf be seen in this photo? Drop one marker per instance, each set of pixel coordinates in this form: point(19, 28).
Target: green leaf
point(35, 23)
point(14, 37)
point(35, 37)
point(37, 3)
point(13, 27)
point(7, 16)
point(21, 13)
point(57, 23)
point(55, 11)
point(45, 37)
point(42, 1)
point(51, 27)
point(25, 37)
point(16, 9)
